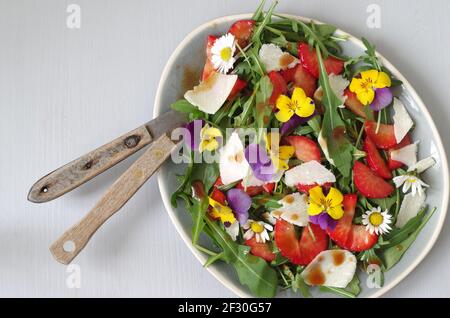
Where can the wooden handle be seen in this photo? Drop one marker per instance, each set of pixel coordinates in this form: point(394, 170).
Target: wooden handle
point(67, 247)
point(80, 170)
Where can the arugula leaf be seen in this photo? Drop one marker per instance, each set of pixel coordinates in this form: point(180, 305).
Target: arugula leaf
point(183, 106)
point(198, 210)
point(385, 203)
point(252, 271)
point(262, 111)
point(351, 291)
point(333, 127)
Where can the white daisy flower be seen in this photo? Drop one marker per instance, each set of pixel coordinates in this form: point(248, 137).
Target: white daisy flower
point(409, 181)
point(377, 221)
point(258, 229)
point(223, 53)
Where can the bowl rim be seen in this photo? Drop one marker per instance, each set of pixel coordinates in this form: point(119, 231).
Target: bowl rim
point(157, 108)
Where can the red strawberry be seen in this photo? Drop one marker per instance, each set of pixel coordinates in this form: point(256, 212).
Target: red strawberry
point(218, 196)
point(304, 188)
point(242, 31)
point(303, 251)
point(393, 164)
point(218, 182)
point(238, 86)
point(354, 105)
point(209, 67)
point(369, 184)
point(260, 249)
point(348, 235)
point(269, 187)
point(305, 80)
point(288, 74)
point(311, 64)
point(279, 86)
point(375, 161)
point(385, 138)
point(305, 149)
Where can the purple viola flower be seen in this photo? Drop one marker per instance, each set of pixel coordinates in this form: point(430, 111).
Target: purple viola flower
point(324, 221)
point(383, 97)
point(259, 162)
point(191, 133)
point(240, 202)
point(293, 123)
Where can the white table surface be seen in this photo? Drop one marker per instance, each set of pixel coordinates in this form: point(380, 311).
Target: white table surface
point(66, 91)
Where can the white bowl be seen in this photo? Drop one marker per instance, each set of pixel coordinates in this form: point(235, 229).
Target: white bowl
point(190, 54)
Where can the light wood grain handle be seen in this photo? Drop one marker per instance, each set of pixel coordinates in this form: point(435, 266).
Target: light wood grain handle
point(80, 170)
point(67, 247)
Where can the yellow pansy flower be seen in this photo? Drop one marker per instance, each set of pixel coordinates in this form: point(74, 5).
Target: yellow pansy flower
point(365, 87)
point(331, 203)
point(208, 139)
point(299, 104)
point(220, 211)
point(279, 155)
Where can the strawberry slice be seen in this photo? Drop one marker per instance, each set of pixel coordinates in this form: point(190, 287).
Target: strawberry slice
point(259, 249)
point(279, 87)
point(209, 67)
point(384, 138)
point(255, 190)
point(218, 196)
point(394, 164)
point(369, 184)
point(348, 235)
point(303, 251)
point(218, 182)
point(375, 161)
point(237, 88)
point(305, 80)
point(242, 31)
point(310, 62)
point(354, 105)
point(305, 149)
point(304, 188)
point(288, 74)
point(269, 187)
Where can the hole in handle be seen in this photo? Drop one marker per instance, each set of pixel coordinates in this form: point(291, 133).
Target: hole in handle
point(69, 246)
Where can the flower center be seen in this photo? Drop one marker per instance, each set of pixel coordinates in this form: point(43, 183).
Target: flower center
point(256, 227)
point(225, 54)
point(376, 219)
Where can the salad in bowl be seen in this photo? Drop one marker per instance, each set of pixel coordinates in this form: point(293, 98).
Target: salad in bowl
point(301, 168)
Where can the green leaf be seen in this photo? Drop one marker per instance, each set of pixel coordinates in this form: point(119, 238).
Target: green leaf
point(299, 284)
point(252, 271)
point(183, 106)
point(333, 127)
point(210, 175)
point(385, 203)
point(393, 254)
point(198, 210)
point(351, 291)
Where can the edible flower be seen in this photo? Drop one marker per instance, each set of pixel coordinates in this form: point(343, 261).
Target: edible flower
point(376, 221)
point(240, 202)
point(260, 163)
point(410, 181)
point(279, 155)
point(258, 229)
point(208, 137)
point(222, 53)
point(330, 204)
point(191, 133)
point(220, 211)
point(370, 82)
point(299, 104)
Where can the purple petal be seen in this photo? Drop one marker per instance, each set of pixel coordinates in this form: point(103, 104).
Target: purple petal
point(383, 97)
point(240, 202)
point(324, 221)
point(191, 135)
point(293, 123)
point(259, 162)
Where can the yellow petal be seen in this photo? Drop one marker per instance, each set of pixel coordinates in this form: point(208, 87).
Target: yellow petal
point(366, 96)
point(383, 80)
point(222, 212)
point(336, 212)
point(209, 145)
point(211, 132)
point(314, 209)
point(283, 102)
point(356, 85)
point(298, 95)
point(286, 152)
point(306, 108)
point(334, 197)
point(316, 195)
point(284, 115)
point(369, 76)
